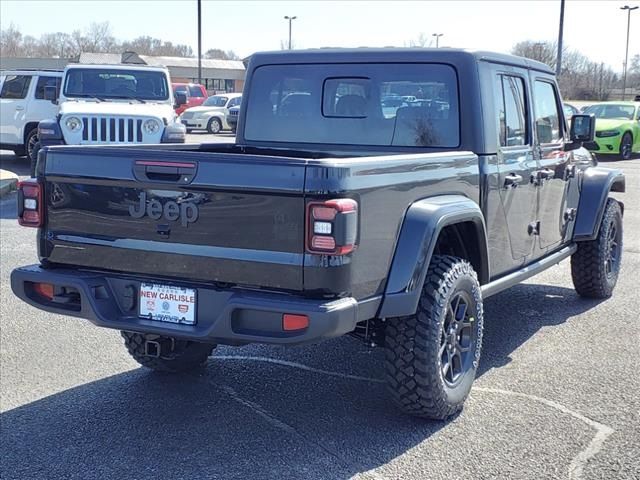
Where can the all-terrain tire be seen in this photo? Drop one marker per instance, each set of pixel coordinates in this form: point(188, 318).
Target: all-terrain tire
point(596, 264)
point(185, 357)
point(417, 348)
point(33, 159)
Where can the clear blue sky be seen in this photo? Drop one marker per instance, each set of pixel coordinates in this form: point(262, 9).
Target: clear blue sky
point(596, 28)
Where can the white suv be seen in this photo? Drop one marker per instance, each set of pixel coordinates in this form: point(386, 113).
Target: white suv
point(23, 105)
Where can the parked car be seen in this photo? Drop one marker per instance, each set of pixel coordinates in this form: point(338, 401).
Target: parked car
point(325, 218)
point(232, 118)
point(113, 104)
point(212, 114)
point(23, 105)
point(617, 128)
point(196, 94)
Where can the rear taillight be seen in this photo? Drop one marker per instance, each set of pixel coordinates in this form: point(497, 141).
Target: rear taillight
point(30, 206)
point(332, 226)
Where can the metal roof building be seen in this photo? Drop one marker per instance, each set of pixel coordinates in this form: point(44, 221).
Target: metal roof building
point(217, 75)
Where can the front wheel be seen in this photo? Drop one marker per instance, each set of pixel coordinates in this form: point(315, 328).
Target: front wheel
point(30, 142)
point(166, 354)
point(431, 357)
point(596, 264)
point(33, 158)
point(626, 146)
point(214, 126)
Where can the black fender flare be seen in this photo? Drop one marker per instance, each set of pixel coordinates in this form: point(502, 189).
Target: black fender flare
point(597, 182)
point(49, 133)
point(421, 227)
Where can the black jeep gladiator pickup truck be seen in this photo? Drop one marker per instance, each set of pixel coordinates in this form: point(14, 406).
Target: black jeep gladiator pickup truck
point(384, 193)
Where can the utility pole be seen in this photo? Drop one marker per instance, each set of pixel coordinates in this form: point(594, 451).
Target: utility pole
point(626, 55)
point(291, 19)
point(437, 35)
point(199, 42)
point(559, 57)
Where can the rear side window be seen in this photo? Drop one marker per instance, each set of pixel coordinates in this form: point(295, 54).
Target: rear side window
point(548, 127)
point(195, 91)
point(234, 102)
point(47, 82)
point(15, 86)
point(511, 110)
point(409, 105)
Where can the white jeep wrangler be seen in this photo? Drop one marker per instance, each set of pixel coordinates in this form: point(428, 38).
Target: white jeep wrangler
point(113, 104)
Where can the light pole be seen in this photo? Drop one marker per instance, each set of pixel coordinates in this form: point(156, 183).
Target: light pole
point(199, 42)
point(437, 35)
point(559, 57)
point(626, 55)
point(291, 19)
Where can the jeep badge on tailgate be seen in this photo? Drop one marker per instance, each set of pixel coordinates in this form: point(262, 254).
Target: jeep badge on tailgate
point(187, 212)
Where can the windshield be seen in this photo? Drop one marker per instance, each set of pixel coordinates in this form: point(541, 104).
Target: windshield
point(611, 111)
point(410, 105)
point(116, 83)
point(215, 101)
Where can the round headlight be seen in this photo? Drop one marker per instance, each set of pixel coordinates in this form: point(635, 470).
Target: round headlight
point(151, 126)
point(74, 124)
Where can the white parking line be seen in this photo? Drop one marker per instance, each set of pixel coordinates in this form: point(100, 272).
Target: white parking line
point(575, 467)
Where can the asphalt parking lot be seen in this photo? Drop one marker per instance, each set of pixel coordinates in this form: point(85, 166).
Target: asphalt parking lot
point(557, 394)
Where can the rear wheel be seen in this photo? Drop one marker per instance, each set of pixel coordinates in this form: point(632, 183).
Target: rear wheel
point(626, 146)
point(431, 357)
point(596, 264)
point(214, 126)
point(166, 354)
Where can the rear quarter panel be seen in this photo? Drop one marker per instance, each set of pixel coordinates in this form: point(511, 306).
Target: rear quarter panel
point(384, 187)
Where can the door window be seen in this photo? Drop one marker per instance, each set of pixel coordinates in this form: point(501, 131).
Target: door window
point(548, 125)
point(511, 109)
point(15, 86)
point(47, 82)
point(234, 102)
point(195, 91)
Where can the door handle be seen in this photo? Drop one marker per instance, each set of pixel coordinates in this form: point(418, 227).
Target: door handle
point(19, 107)
point(512, 180)
point(546, 174)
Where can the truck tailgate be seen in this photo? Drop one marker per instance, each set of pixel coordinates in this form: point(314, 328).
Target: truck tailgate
point(217, 217)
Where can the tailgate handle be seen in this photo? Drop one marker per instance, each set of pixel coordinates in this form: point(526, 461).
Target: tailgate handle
point(166, 172)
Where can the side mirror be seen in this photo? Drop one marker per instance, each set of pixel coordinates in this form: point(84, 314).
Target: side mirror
point(583, 128)
point(181, 98)
point(51, 93)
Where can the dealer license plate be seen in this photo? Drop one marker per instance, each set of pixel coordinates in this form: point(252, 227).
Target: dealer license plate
point(166, 303)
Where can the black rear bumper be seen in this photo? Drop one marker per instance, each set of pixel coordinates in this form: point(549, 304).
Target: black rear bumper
point(227, 316)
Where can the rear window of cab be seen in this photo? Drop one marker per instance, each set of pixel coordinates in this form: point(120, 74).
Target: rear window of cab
point(410, 105)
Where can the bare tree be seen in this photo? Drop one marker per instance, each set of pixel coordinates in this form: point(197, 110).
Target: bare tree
point(11, 42)
point(216, 53)
point(422, 40)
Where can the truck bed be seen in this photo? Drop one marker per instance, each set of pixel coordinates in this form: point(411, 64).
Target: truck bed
point(234, 216)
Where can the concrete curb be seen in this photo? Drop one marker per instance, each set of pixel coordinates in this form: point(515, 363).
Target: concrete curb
point(8, 182)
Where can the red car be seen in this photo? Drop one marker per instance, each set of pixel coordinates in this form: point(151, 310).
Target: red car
point(196, 94)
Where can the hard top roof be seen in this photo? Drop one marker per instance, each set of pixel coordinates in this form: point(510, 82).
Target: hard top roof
point(393, 54)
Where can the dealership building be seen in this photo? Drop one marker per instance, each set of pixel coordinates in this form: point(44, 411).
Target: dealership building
point(218, 76)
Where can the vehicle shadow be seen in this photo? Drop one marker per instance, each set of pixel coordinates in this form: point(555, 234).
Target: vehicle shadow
point(251, 418)
point(18, 165)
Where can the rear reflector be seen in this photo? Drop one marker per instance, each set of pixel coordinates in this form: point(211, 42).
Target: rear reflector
point(30, 206)
point(44, 290)
point(321, 242)
point(294, 322)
